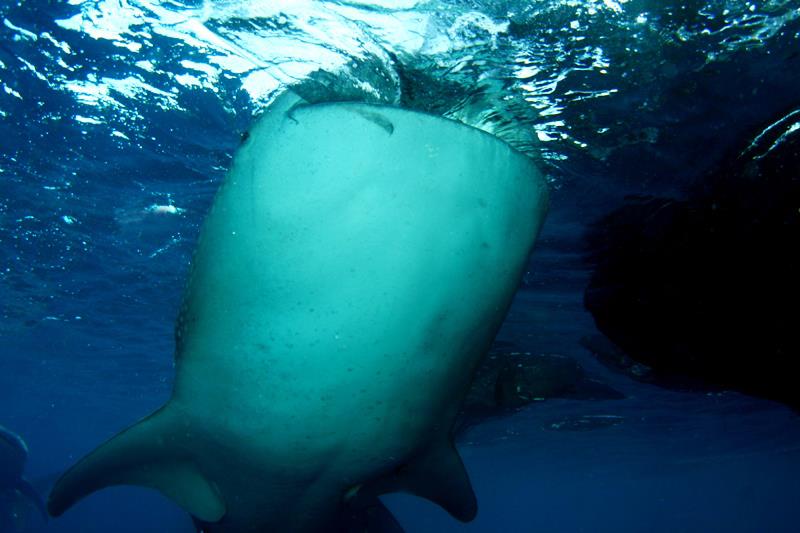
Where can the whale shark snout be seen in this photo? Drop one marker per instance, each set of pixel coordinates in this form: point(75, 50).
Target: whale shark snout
point(355, 266)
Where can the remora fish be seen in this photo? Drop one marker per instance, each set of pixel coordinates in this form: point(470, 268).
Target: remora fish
point(353, 270)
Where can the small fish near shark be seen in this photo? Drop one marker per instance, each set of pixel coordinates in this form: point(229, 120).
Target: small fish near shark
point(352, 272)
point(16, 493)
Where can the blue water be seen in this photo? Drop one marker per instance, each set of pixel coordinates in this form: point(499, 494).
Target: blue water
point(118, 121)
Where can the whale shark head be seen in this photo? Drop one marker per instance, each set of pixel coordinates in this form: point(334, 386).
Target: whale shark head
point(355, 266)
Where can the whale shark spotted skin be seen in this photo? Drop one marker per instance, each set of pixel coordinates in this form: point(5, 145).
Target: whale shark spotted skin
point(354, 268)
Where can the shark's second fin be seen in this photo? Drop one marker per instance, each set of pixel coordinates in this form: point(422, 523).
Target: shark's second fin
point(144, 454)
point(368, 515)
point(436, 474)
point(30, 494)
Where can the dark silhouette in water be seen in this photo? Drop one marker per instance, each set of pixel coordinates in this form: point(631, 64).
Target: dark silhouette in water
point(505, 382)
point(705, 290)
point(16, 493)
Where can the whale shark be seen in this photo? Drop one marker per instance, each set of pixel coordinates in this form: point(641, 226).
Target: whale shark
point(354, 268)
point(16, 493)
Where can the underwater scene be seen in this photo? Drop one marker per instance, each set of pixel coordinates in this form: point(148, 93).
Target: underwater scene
point(374, 266)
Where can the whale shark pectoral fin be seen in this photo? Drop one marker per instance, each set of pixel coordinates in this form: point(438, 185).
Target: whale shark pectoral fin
point(145, 454)
point(437, 475)
point(440, 476)
point(181, 482)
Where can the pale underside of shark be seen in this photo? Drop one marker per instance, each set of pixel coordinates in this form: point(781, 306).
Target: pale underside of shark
point(353, 269)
